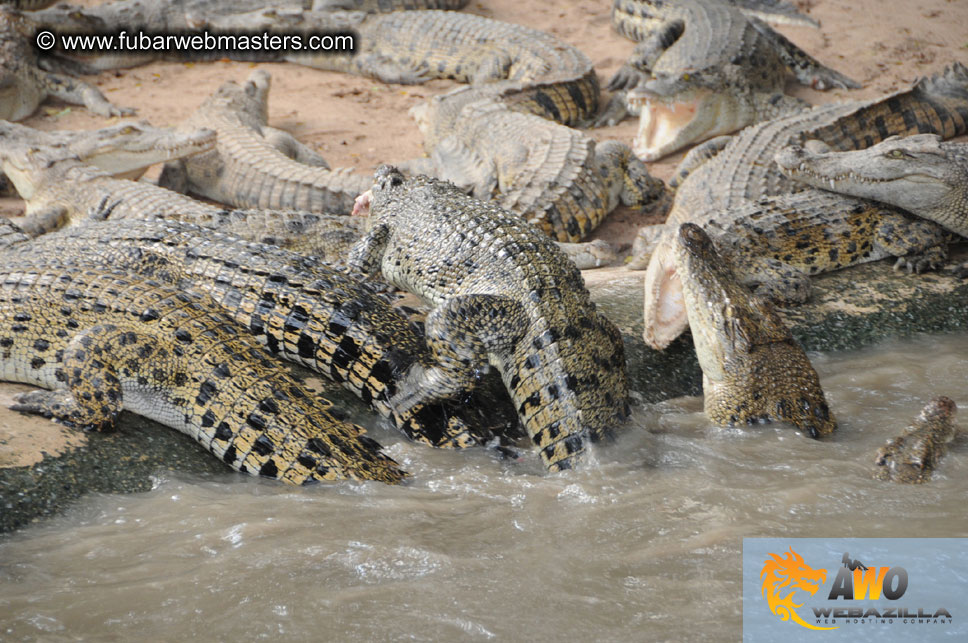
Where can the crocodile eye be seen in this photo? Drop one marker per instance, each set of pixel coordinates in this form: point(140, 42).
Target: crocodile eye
point(898, 154)
point(687, 77)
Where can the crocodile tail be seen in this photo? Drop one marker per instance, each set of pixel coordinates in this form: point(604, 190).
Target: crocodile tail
point(934, 105)
point(569, 101)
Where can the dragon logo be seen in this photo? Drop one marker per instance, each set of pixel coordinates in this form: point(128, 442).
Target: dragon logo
point(789, 572)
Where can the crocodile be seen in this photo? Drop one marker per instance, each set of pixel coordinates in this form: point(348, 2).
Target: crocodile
point(527, 69)
point(125, 149)
point(913, 456)
point(505, 295)
point(302, 310)
point(386, 6)
point(24, 85)
point(59, 189)
point(704, 68)
point(753, 369)
point(257, 166)
point(778, 230)
point(919, 174)
point(28, 5)
point(102, 341)
point(554, 176)
point(637, 19)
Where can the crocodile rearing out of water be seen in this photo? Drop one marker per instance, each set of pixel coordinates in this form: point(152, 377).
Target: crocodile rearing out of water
point(778, 231)
point(752, 368)
point(504, 295)
point(913, 456)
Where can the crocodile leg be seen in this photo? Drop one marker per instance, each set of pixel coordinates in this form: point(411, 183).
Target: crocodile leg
point(45, 218)
point(461, 333)
point(468, 170)
point(93, 397)
point(367, 254)
point(647, 53)
point(918, 244)
point(637, 70)
point(77, 92)
point(381, 68)
point(291, 147)
point(808, 70)
point(174, 177)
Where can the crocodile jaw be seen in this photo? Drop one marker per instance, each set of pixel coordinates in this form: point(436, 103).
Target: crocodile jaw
point(668, 124)
point(134, 155)
point(665, 309)
point(919, 181)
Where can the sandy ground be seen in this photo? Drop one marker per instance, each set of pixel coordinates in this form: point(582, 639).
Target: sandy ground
point(884, 44)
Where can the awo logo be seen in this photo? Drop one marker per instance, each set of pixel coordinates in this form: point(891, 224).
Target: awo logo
point(784, 576)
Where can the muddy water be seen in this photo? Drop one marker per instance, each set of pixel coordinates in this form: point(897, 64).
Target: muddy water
point(644, 545)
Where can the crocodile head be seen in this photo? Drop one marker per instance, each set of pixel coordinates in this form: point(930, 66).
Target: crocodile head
point(127, 149)
point(753, 370)
point(28, 168)
point(250, 99)
point(917, 173)
point(685, 108)
point(386, 180)
point(912, 457)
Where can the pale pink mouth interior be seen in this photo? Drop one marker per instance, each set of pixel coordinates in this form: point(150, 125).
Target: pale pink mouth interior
point(661, 122)
point(361, 206)
point(665, 307)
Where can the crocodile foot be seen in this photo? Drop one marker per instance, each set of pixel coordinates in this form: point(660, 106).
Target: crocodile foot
point(57, 405)
point(614, 112)
point(931, 259)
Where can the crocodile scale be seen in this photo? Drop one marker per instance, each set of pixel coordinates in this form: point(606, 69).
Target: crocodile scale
point(103, 341)
point(504, 295)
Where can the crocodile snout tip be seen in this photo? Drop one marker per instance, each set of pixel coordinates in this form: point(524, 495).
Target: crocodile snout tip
point(361, 206)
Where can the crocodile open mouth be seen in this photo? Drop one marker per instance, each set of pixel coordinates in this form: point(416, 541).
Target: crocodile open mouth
point(665, 307)
point(660, 123)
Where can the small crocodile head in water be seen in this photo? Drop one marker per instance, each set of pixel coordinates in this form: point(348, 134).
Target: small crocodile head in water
point(912, 457)
point(753, 370)
point(677, 111)
point(917, 173)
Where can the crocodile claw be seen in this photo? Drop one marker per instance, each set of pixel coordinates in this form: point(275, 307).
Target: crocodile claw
point(35, 403)
point(918, 263)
